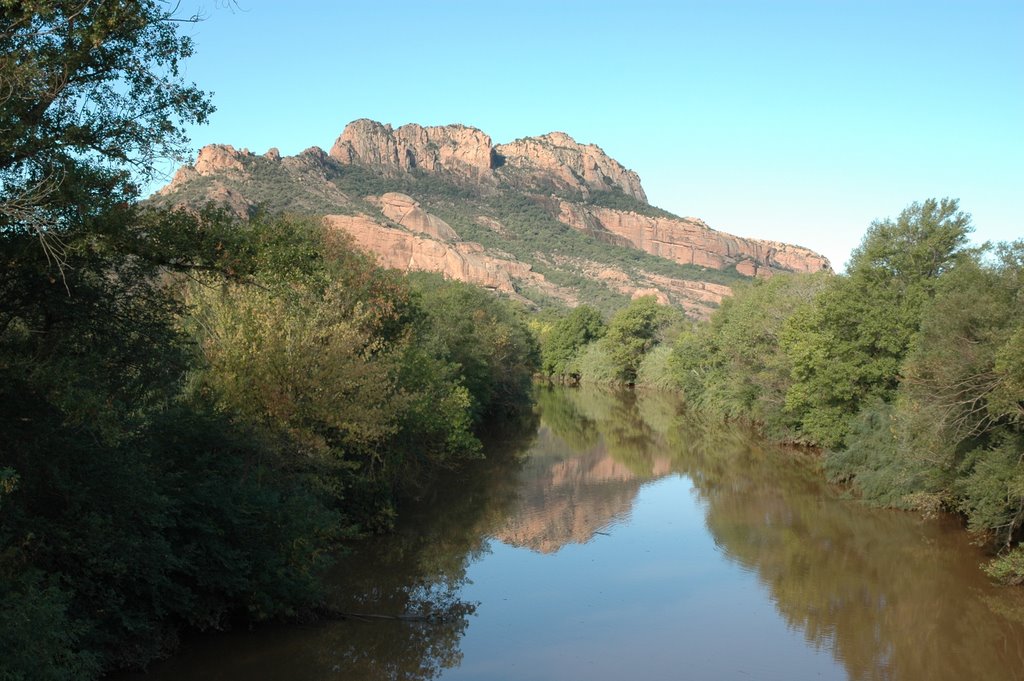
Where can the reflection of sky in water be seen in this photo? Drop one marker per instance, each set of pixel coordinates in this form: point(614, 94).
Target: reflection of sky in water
point(654, 599)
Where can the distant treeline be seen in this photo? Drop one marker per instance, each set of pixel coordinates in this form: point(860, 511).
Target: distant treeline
point(907, 370)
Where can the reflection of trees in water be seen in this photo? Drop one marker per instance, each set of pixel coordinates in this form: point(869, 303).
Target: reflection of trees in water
point(890, 595)
point(593, 452)
point(893, 597)
point(420, 570)
point(631, 426)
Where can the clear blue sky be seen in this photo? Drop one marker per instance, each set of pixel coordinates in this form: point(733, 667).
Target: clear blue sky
point(798, 121)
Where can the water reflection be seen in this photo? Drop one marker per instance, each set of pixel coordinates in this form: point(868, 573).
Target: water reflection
point(885, 595)
point(592, 453)
point(893, 596)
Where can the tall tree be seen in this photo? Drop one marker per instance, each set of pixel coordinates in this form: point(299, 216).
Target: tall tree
point(91, 97)
point(847, 348)
point(562, 344)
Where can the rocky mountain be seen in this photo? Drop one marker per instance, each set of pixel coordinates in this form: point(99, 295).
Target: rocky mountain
point(545, 219)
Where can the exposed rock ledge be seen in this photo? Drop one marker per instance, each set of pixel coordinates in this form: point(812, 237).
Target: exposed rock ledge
point(406, 211)
point(466, 261)
point(691, 242)
point(551, 161)
point(566, 163)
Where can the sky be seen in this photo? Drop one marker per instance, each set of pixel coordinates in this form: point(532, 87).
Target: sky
point(795, 121)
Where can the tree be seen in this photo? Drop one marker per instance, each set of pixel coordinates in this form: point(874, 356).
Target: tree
point(91, 97)
point(735, 366)
point(126, 519)
point(569, 335)
point(634, 331)
point(485, 336)
point(847, 348)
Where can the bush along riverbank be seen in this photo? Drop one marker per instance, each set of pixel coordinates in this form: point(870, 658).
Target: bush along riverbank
point(907, 371)
point(187, 436)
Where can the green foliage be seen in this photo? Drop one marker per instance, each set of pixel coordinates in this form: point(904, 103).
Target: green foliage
point(486, 337)
point(39, 639)
point(634, 331)
point(596, 364)
point(99, 94)
point(735, 366)
point(990, 489)
point(909, 370)
point(619, 200)
point(953, 435)
point(581, 348)
point(1008, 568)
point(656, 370)
point(879, 457)
point(105, 506)
point(339, 363)
point(561, 344)
point(847, 348)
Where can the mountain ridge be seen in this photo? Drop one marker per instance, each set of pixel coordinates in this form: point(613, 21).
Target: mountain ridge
point(540, 218)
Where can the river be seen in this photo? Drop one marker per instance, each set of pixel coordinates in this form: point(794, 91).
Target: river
point(619, 539)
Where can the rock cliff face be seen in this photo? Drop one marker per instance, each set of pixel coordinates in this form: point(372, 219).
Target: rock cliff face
point(456, 149)
point(433, 246)
point(558, 160)
point(690, 241)
point(513, 198)
point(552, 161)
point(406, 211)
point(402, 250)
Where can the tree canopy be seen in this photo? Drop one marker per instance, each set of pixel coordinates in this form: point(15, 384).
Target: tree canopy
point(907, 371)
point(91, 96)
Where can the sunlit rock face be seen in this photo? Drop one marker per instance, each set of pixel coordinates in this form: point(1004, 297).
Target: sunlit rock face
point(457, 149)
point(690, 241)
point(556, 159)
point(417, 197)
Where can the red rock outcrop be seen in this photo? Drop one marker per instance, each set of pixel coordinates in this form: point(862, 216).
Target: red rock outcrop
point(552, 161)
point(558, 159)
point(457, 149)
point(691, 242)
point(463, 260)
point(407, 212)
point(406, 236)
point(219, 158)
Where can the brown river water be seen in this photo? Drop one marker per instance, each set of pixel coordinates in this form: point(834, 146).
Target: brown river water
point(619, 539)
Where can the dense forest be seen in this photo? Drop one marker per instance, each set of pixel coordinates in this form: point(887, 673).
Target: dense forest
point(194, 411)
point(907, 370)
